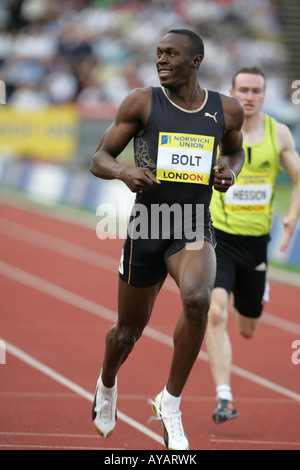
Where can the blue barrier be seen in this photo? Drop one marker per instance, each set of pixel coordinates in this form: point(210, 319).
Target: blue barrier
point(48, 184)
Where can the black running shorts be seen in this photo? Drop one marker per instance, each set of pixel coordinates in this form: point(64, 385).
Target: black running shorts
point(242, 270)
point(143, 261)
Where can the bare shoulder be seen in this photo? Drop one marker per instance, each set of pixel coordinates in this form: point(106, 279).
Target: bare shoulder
point(137, 97)
point(140, 93)
point(233, 112)
point(135, 106)
point(231, 102)
point(285, 138)
point(289, 157)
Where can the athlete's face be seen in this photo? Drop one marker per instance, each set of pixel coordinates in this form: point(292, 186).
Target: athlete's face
point(249, 88)
point(175, 60)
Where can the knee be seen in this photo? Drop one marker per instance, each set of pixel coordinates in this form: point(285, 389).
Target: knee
point(246, 331)
point(196, 304)
point(246, 326)
point(125, 336)
point(217, 314)
point(218, 311)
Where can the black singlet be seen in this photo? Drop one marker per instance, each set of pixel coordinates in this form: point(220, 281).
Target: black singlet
point(180, 148)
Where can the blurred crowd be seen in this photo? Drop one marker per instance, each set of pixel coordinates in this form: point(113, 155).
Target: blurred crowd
point(93, 52)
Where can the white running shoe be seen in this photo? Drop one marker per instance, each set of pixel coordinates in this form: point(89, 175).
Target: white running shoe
point(174, 435)
point(104, 413)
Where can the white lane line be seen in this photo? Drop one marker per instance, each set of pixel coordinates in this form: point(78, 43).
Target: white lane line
point(82, 254)
point(245, 441)
point(162, 338)
point(77, 217)
point(138, 397)
point(61, 379)
point(57, 245)
point(280, 323)
point(49, 434)
point(77, 301)
point(37, 447)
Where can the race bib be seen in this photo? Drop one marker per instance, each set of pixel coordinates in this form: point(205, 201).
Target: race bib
point(251, 193)
point(184, 158)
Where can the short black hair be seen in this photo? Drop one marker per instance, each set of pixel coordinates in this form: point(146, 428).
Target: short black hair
point(196, 41)
point(253, 69)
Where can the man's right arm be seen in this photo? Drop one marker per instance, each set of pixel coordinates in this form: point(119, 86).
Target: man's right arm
point(130, 120)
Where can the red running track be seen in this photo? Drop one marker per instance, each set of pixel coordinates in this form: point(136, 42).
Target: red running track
point(58, 299)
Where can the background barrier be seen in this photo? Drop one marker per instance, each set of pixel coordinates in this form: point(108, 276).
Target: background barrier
point(48, 183)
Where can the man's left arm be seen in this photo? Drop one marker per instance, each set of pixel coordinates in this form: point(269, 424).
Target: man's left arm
point(290, 161)
point(232, 155)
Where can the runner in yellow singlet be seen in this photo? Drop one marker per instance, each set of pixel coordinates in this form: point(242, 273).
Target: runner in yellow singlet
point(242, 218)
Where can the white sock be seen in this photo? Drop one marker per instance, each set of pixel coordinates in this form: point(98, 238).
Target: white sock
point(224, 392)
point(169, 402)
point(108, 392)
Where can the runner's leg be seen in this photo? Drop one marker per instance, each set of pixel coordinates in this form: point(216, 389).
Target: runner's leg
point(134, 310)
point(217, 339)
point(194, 273)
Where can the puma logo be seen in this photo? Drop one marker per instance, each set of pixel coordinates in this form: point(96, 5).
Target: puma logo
point(212, 116)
